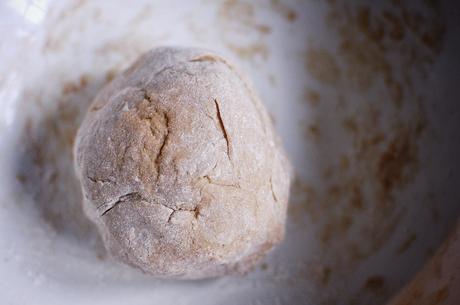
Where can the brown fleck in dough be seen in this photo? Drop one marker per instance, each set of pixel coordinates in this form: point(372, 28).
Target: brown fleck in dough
point(181, 169)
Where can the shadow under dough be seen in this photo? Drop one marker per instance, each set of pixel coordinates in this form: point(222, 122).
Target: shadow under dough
point(45, 161)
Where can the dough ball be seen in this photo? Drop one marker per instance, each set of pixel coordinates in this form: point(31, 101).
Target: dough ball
point(180, 167)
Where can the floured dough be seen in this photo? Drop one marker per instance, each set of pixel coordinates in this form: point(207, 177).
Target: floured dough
point(181, 169)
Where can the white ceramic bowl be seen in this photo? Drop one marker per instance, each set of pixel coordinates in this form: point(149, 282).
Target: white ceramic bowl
point(364, 97)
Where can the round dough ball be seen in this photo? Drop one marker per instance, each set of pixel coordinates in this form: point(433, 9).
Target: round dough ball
point(181, 169)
